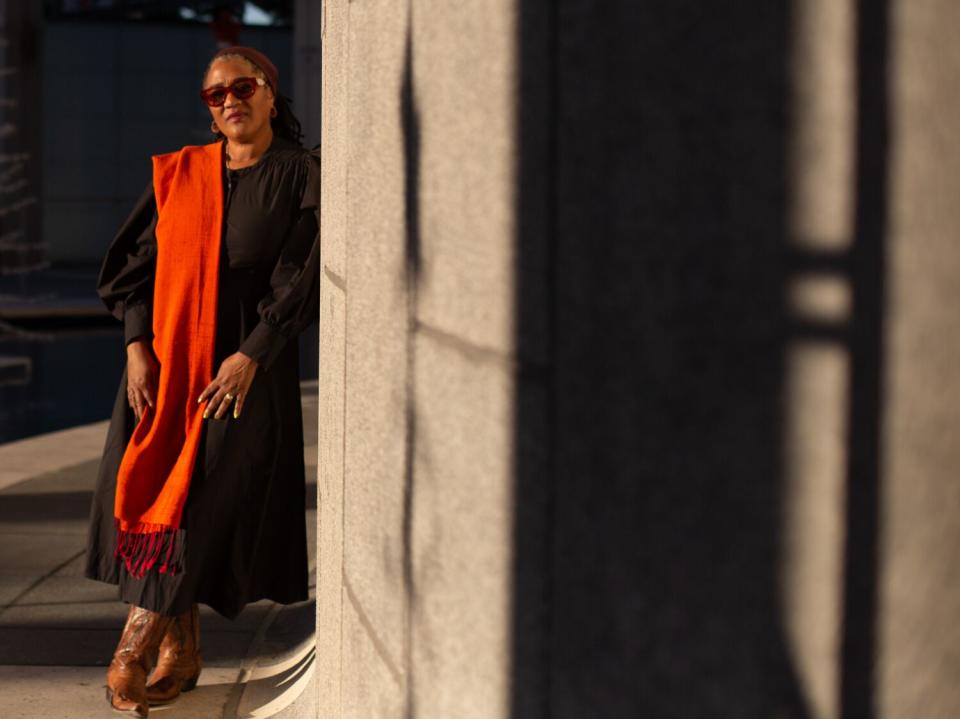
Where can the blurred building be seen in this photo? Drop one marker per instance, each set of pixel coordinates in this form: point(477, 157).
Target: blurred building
point(89, 90)
point(21, 245)
point(120, 83)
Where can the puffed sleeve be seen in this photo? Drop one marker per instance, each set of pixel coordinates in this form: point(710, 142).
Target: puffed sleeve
point(125, 283)
point(293, 302)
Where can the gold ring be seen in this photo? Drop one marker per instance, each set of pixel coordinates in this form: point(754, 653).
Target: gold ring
point(228, 395)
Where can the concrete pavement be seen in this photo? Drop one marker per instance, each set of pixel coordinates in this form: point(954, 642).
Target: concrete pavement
point(58, 629)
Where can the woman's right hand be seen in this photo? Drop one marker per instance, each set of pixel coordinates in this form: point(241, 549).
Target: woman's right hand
point(143, 371)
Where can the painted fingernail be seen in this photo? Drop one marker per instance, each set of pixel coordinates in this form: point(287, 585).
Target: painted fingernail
point(235, 413)
point(205, 413)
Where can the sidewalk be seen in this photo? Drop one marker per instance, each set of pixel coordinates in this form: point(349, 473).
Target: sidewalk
point(58, 629)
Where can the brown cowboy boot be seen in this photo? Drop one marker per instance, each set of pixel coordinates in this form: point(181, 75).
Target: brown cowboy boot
point(127, 675)
point(179, 663)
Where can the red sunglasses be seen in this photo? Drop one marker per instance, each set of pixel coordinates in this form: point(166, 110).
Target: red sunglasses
point(242, 89)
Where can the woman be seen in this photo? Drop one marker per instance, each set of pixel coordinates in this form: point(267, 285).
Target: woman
point(200, 492)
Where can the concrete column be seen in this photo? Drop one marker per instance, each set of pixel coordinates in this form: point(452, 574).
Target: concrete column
point(638, 334)
point(919, 585)
point(417, 365)
point(332, 373)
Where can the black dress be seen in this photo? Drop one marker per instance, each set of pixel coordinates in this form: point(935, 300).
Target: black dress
point(244, 521)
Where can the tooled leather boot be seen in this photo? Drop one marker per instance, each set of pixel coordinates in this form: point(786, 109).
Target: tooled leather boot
point(179, 663)
point(127, 675)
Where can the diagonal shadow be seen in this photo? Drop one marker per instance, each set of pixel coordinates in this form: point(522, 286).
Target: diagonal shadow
point(410, 127)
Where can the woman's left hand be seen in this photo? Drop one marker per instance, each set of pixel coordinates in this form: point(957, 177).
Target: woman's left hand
point(230, 385)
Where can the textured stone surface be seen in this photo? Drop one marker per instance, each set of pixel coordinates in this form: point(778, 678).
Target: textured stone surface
point(332, 374)
point(462, 532)
point(462, 140)
point(372, 683)
point(375, 336)
point(919, 593)
point(642, 351)
point(416, 270)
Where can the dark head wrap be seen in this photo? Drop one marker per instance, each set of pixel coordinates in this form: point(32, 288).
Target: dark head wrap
point(285, 123)
point(258, 59)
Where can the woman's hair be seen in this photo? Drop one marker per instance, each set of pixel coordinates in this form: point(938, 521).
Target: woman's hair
point(285, 124)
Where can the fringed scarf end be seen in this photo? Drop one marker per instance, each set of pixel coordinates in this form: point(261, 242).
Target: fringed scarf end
point(144, 545)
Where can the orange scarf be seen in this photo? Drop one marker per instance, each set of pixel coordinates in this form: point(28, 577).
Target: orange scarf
point(157, 465)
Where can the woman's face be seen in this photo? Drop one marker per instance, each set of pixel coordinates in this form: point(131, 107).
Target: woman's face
point(240, 120)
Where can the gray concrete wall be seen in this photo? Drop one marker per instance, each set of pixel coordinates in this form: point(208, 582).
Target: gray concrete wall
point(414, 596)
point(919, 539)
point(636, 394)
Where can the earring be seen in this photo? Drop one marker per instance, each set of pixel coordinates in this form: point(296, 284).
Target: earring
point(273, 111)
point(213, 127)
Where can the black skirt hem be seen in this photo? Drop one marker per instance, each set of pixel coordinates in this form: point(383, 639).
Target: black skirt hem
point(229, 613)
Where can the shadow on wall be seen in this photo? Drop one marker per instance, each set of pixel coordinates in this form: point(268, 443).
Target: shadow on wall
point(410, 125)
point(654, 188)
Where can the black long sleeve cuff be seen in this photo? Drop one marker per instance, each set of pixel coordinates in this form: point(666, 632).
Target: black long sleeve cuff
point(264, 344)
point(137, 322)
